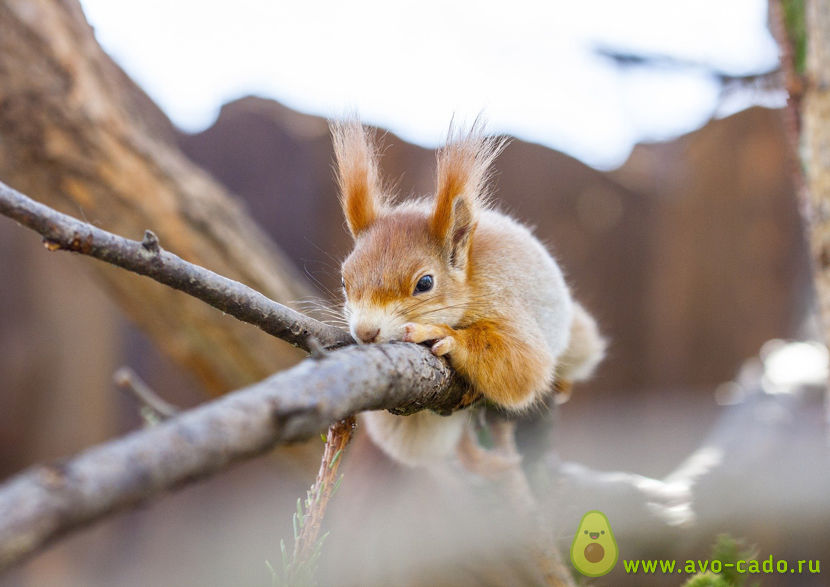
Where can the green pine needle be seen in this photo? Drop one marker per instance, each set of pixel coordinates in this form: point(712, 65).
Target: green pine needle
point(300, 515)
point(337, 485)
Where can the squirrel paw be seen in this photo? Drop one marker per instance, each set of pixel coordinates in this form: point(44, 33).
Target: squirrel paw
point(443, 341)
point(443, 346)
point(417, 333)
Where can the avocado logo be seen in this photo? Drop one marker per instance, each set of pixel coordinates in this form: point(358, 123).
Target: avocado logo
point(594, 550)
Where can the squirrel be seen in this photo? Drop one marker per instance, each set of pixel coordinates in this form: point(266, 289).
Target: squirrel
point(454, 272)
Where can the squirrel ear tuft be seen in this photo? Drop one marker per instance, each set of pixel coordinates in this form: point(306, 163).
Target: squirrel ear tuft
point(463, 170)
point(360, 187)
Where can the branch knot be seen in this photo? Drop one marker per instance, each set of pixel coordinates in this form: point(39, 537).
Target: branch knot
point(150, 242)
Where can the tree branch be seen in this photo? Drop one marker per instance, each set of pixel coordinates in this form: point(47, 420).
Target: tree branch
point(81, 136)
point(63, 232)
point(47, 501)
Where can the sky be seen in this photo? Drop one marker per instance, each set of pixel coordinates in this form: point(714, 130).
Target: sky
point(529, 67)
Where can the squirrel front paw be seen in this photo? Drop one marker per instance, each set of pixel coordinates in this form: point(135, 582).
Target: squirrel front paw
point(442, 335)
point(443, 346)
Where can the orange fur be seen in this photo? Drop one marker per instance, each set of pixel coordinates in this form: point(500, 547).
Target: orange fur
point(390, 276)
point(361, 193)
point(501, 366)
point(463, 167)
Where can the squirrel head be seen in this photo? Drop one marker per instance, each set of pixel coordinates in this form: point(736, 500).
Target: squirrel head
point(411, 261)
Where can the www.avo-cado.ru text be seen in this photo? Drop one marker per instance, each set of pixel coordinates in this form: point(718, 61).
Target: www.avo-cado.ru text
point(767, 566)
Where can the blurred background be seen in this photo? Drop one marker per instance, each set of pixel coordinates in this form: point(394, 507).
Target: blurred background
point(651, 157)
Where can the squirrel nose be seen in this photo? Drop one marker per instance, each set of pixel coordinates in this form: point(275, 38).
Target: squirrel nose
point(367, 333)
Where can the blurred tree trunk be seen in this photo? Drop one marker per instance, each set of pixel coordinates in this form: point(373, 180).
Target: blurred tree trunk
point(816, 140)
point(78, 134)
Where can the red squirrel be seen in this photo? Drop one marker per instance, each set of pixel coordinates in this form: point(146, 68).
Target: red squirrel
point(471, 281)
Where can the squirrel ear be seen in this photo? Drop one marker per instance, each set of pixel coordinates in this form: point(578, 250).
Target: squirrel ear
point(357, 174)
point(459, 238)
point(463, 170)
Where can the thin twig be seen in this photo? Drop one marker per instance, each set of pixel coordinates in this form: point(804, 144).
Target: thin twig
point(503, 467)
point(315, 348)
point(62, 232)
point(129, 381)
point(516, 488)
point(305, 547)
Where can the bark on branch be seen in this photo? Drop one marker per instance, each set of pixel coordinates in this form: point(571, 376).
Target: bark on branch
point(63, 232)
point(48, 501)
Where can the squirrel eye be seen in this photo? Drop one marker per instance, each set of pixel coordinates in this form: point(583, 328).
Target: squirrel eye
point(424, 284)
